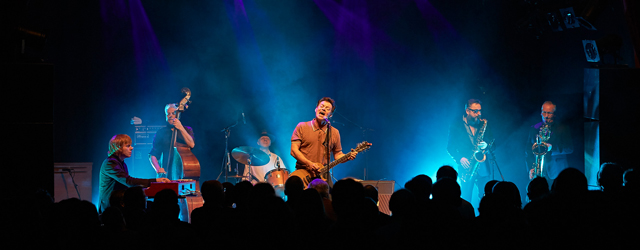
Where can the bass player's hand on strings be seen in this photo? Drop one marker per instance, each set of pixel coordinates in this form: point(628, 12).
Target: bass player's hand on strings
point(465, 163)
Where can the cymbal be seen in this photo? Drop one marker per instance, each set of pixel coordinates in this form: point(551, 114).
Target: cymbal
point(246, 154)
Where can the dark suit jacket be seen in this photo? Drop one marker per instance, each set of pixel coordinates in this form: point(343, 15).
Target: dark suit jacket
point(459, 145)
point(561, 145)
point(114, 175)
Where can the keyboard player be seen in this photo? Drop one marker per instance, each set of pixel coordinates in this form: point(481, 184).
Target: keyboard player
point(114, 174)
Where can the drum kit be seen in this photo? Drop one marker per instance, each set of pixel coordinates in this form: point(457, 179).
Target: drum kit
point(255, 157)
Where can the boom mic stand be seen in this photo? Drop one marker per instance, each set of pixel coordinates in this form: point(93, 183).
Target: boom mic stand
point(226, 163)
point(493, 160)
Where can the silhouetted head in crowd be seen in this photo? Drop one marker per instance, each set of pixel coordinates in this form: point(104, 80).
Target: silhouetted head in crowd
point(420, 186)
point(371, 192)
point(165, 205)
point(117, 199)
point(321, 186)
point(311, 207)
point(447, 190)
point(77, 215)
point(610, 177)
point(537, 188)
point(401, 203)
point(212, 192)
point(135, 198)
point(293, 187)
point(490, 206)
point(488, 188)
point(630, 178)
point(508, 192)
point(570, 182)
point(446, 171)
point(242, 192)
point(112, 219)
point(263, 189)
point(347, 195)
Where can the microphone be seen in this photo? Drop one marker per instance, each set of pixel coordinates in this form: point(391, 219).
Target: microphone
point(327, 121)
point(243, 120)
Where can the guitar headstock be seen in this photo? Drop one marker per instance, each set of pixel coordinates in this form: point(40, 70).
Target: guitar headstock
point(363, 146)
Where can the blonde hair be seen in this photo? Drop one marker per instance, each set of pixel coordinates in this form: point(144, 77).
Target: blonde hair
point(116, 143)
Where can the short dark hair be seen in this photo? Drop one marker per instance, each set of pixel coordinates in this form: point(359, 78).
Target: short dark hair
point(472, 101)
point(329, 100)
point(446, 171)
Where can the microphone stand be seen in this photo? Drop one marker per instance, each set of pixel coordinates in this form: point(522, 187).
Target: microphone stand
point(226, 164)
point(71, 174)
point(327, 142)
point(493, 160)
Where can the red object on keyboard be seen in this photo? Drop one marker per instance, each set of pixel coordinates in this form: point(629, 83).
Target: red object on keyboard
point(181, 187)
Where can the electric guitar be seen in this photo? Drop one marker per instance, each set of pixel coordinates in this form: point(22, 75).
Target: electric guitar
point(308, 176)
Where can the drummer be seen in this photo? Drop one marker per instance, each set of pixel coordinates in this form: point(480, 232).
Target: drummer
point(256, 174)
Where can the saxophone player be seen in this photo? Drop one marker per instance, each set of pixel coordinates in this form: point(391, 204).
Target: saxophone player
point(468, 134)
point(558, 144)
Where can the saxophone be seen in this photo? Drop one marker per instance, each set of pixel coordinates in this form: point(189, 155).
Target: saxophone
point(540, 149)
point(477, 156)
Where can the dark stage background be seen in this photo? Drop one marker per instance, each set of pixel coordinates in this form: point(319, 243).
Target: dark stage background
point(400, 72)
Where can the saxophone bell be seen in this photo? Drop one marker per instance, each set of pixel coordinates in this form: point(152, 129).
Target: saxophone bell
point(540, 149)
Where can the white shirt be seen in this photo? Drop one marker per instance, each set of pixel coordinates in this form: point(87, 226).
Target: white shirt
point(259, 172)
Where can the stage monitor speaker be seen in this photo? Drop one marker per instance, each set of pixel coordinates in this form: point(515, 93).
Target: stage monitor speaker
point(72, 180)
point(385, 190)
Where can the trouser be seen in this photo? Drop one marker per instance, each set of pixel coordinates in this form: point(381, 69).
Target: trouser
point(466, 188)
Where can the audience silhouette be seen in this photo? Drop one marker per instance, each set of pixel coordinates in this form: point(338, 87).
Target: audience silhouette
point(422, 213)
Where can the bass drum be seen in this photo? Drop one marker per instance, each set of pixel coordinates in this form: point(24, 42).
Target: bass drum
point(277, 178)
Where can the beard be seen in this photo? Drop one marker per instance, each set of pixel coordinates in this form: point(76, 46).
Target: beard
point(473, 121)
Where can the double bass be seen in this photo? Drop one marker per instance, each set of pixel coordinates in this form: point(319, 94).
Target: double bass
point(180, 158)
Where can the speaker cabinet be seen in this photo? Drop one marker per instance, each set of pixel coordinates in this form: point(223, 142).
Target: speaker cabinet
point(385, 190)
point(610, 101)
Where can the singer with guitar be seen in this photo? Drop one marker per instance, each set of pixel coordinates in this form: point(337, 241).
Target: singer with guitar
point(313, 142)
point(467, 144)
point(162, 143)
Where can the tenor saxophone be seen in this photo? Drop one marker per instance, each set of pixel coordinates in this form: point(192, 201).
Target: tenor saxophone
point(477, 156)
point(540, 149)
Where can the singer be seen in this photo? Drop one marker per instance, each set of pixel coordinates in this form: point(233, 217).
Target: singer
point(162, 141)
point(313, 141)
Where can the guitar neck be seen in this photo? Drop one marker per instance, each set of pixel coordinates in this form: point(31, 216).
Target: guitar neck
point(361, 147)
point(342, 159)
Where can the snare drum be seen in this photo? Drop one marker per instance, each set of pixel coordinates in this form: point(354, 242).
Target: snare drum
point(276, 177)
